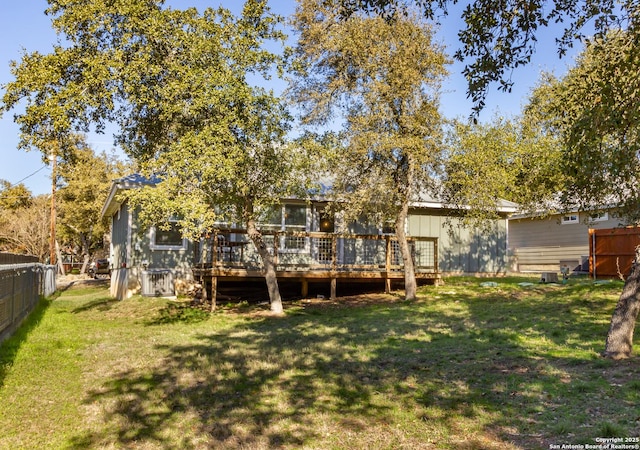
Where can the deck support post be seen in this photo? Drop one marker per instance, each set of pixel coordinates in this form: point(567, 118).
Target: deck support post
point(387, 265)
point(214, 292)
point(203, 283)
point(305, 288)
point(334, 286)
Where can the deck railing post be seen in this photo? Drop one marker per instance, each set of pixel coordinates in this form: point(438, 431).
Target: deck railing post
point(334, 266)
point(214, 292)
point(214, 250)
point(387, 265)
point(276, 239)
point(435, 255)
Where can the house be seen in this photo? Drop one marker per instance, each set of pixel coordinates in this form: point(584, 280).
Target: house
point(549, 243)
point(140, 258)
point(308, 245)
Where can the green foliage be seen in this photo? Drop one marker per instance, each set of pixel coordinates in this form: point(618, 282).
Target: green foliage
point(13, 197)
point(595, 109)
point(499, 36)
point(177, 85)
point(504, 159)
point(85, 179)
point(385, 90)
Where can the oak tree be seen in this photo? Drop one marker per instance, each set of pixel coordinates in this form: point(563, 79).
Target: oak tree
point(497, 37)
point(385, 93)
point(84, 179)
point(595, 109)
point(511, 159)
point(180, 86)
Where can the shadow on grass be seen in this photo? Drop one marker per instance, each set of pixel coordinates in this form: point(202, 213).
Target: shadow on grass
point(288, 382)
point(99, 304)
point(179, 313)
point(10, 347)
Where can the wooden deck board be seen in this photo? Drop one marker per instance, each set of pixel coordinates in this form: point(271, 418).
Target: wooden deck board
point(236, 274)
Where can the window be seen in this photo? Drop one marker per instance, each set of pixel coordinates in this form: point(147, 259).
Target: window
point(270, 219)
point(295, 219)
point(389, 227)
point(167, 237)
point(570, 218)
point(292, 218)
point(599, 217)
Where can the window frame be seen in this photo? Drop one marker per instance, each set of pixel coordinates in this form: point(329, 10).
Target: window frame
point(601, 217)
point(283, 227)
point(570, 218)
point(155, 246)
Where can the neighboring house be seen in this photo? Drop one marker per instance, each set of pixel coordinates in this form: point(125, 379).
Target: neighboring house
point(151, 260)
point(546, 244)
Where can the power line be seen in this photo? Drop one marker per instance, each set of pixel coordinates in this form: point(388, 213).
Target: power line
point(28, 176)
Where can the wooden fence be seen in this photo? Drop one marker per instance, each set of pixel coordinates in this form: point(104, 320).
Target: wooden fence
point(612, 251)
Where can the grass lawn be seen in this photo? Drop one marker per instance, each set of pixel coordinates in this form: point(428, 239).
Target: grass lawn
point(463, 367)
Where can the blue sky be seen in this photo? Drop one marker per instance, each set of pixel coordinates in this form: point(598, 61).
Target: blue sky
point(25, 27)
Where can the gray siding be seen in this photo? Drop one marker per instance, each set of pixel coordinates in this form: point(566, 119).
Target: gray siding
point(542, 232)
point(119, 237)
point(546, 244)
point(460, 248)
point(143, 255)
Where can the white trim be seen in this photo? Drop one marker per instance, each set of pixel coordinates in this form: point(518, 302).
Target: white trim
point(128, 257)
point(570, 218)
point(600, 217)
point(154, 246)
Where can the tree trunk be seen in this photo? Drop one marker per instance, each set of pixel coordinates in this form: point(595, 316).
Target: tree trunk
point(59, 259)
point(410, 285)
point(85, 252)
point(85, 263)
point(619, 343)
point(406, 189)
point(267, 261)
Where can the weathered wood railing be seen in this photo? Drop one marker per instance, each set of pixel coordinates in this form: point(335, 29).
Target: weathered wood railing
point(311, 251)
point(305, 256)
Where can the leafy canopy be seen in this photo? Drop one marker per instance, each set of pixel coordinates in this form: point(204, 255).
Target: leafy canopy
point(83, 181)
point(504, 159)
point(177, 85)
point(499, 36)
point(383, 91)
point(595, 109)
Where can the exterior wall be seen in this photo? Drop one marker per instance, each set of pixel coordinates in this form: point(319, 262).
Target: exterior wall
point(146, 260)
point(546, 244)
point(131, 254)
point(119, 253)
point(462, 249)
point(120, 237)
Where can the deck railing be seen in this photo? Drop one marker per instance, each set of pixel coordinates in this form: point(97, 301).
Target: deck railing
point(309, 251)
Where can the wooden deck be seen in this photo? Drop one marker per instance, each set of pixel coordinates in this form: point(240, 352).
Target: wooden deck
point(314, 257)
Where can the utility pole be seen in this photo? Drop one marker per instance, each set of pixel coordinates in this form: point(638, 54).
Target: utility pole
point(52, 235)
